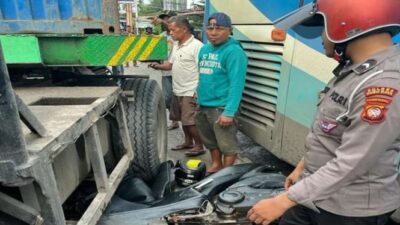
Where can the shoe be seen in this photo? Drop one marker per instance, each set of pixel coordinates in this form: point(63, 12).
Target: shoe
point(181, 147)
point(195, 152)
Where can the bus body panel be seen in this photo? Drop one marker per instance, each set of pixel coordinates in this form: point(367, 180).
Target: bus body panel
point(283, 78)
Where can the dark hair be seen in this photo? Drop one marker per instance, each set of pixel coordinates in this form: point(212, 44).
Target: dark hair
point(168, 14)
point(181, 21)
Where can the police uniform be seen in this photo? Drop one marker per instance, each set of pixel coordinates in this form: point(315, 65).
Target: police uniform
point(352, 157)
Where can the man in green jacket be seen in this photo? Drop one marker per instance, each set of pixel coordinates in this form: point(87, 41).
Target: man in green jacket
point(222, 65)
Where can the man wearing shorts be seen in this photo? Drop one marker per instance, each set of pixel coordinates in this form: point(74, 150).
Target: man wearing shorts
point(222, 65)
point(185, 75)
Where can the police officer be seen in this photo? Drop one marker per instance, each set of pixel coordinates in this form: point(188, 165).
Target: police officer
point(349, 174)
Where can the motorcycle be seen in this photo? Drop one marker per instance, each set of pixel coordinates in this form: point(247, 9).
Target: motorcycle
point(220, 198)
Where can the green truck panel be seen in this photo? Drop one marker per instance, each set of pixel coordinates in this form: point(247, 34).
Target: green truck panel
point(91, 50)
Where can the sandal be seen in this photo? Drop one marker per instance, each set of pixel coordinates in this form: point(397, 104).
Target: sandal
point(195, 152)
point(181, 147)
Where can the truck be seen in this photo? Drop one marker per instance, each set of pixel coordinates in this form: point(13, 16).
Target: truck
point(66, 117)
point(283, 77)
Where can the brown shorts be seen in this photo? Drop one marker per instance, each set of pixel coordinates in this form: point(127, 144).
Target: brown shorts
point(183, 108)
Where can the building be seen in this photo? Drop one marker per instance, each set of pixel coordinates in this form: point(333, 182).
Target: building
point(175, 5)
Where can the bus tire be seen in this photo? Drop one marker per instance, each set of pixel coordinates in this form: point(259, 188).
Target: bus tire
point(147, 125)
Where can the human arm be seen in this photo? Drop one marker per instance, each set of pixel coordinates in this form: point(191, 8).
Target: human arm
point(294, 176)
point(161, 66)
point(224, 121)
point(267, 210)
point(363, 144)
point(236, 65)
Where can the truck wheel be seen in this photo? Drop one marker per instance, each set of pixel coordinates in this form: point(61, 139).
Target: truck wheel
point(147, 124)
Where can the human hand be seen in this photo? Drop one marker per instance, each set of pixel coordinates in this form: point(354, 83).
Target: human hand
point(153, 65)
point(197, 107)
point(294, 175)
point(292, 179)
point(224, 121)
point(156, 20)
point(266, 211)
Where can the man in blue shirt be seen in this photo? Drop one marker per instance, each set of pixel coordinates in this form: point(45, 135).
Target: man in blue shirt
point(222, 65)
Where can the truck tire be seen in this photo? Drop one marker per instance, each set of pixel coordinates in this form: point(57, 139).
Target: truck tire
point(147, 124)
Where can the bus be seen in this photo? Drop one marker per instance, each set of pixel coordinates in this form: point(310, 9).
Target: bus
point(284, 77)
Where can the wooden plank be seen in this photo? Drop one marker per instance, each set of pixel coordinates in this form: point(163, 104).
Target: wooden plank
point(29, 119)
point(100, 202)
point(123, 129)
point(19, 210)
point(94, 149)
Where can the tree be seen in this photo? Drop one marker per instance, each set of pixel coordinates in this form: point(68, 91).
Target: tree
point(155, 7)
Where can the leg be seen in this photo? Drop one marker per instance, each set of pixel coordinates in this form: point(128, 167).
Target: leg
point(175, 114)
point(188, 112)
point(198, 147)
point(185, 124)
point(227, 141)
point(188, 143)
point(188, 136)
point(327, 218)
point(204, 126)
point(166, 82)
point(229, 160)
point(216, 161)
point(298, 215)
point(196, 137)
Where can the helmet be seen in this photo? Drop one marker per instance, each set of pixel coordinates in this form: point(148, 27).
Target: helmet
point(190, 172)
point(345, 20)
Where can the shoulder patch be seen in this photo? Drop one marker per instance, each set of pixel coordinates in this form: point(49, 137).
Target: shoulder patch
point(377, 99)
point(387, 91)
point(327, 126)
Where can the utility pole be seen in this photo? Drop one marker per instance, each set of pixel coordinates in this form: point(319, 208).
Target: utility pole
point(136, 5)
point(128, 9)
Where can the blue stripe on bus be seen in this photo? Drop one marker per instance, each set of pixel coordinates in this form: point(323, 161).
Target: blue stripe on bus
point(274, 9)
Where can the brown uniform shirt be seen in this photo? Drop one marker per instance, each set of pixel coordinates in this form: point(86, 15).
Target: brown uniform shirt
point(352, 157)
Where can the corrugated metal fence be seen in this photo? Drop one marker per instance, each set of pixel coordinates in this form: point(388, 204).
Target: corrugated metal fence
point(58, 16)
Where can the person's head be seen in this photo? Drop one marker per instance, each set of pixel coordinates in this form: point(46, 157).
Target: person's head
point(128, 29)
point(219, 28)
point(179, 28)
point(346, 21)
point(164, 18)
point(149, 30)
